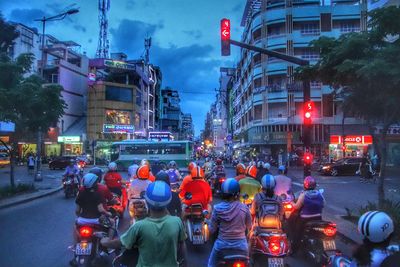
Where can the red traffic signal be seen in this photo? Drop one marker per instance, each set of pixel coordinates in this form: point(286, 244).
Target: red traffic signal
point(308, 158)
point(308, 110)
point(225, 37)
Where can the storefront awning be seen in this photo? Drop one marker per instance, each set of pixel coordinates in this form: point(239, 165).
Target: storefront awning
point(349, 130)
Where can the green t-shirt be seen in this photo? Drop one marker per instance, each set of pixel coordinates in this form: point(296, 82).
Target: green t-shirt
point(249, 186)
point(156, 239)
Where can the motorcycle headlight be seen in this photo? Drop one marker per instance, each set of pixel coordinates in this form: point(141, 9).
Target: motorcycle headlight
point(325, 167)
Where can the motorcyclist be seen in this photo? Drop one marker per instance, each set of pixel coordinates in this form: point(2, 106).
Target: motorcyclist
point(267, 167)
point(200, 190)
point(208, 166)
point(219, 168)
point(377, 229)
point(159, 238)
point(113, 179)
point(141, 183)
point(71, 170)
point(249, 186)
point(147, 163)
point(261, 171)
point(283, 183)
point(173, 172)
point(188, 177)
point(106, 195)
point(240, 171)
point(309, 205)
point(230, 219)
point(132, 171)
point(175, 206)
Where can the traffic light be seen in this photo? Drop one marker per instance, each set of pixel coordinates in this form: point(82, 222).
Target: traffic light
point(308, 160)
point(308, 112)
point(225, 37)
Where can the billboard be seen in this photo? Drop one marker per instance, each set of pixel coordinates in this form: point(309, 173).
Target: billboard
point(117, 128)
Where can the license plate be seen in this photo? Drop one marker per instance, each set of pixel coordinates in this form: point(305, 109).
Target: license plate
point(275, 262)
point(83, 248)
point(198, 240)
point(329, 244)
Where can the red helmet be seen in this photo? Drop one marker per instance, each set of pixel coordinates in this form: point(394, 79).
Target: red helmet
point(309, 183)
point(251, 171)
point(143, 172)
point(191, 166)
point(197, 173)
point(218, 161)
point(240, 169)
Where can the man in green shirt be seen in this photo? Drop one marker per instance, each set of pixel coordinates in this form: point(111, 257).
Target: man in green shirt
point(158, 237)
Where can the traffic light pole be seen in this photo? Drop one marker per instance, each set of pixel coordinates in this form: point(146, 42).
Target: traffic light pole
point(306, 90)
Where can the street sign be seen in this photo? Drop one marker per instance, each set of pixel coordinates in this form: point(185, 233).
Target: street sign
point(225, 37)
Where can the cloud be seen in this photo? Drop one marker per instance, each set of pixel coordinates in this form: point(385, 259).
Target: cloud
point(238, 7)
point(26, 16)
point(189, 69)
point(196, 34)
point(130, 4)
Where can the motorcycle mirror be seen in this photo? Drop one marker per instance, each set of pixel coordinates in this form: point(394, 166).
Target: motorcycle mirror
point(321, 190)
point(245, 196)
point(188, 196)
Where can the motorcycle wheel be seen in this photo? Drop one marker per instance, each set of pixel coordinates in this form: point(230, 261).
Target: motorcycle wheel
point(84, 261)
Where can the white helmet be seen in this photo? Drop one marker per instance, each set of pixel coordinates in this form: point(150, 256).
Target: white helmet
point(112, 166)
point(260, 164)
point(267, 166)
point(376, 226)
point(89, 180)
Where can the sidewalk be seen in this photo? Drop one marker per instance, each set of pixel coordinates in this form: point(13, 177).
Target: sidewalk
point(50, 184)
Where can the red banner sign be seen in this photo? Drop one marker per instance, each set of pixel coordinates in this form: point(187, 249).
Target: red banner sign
point(351, 139)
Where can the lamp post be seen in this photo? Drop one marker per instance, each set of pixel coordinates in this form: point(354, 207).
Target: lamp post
point(60, 16)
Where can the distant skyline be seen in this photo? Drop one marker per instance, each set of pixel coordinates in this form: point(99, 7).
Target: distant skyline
point(185, 38)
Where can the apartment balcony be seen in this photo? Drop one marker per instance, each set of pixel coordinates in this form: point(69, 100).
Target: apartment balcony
point(345, 11)
point(276, 41)
point(306, 13)
point(256, 23)
point(276, 67)
point(257, 71)
point(302, 39)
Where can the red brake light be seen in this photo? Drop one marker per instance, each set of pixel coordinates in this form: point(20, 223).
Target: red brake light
point(221, 180)
point(288, 207)
point(239, 264)
point(85, 231)
point(274, 245)
point(330, 230)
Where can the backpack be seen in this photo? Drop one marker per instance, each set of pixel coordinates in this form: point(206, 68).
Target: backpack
point(173, 177)
point(268, 212)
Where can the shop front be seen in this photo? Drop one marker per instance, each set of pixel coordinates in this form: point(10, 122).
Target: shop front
point(70, 145)
point(349, 146)
point(52, 149)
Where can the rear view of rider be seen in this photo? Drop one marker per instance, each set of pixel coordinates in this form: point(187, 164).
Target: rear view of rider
point(106, 195)
point(249, 186)
point(261, 171)
point(219, 168)
point(132, 171)
point(147, 163)
point(113, 179)
point(141, 183)
point(200, 190)
point(71, 170)
point(231, 219)
point(188, 177)
point(173, 172)
point(377, 229)
point(309, 204)
point(283, 183)
point(240, 172)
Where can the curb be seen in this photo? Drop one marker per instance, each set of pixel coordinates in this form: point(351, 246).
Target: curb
point(28, 199)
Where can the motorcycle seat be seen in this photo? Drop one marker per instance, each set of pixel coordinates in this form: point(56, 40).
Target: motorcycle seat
point(195, 210)
point(317, 223)
point(229, 254)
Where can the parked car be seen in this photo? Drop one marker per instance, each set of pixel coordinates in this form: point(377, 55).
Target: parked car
point(4, 159)
point(345, 166)
point(60, 162)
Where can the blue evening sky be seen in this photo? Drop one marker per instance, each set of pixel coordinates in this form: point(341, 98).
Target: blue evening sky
point(185, 33)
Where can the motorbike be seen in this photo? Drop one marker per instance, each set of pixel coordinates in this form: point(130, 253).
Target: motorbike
point(88, 251)
point(217, 182)
point(71, 186)
point(81, 167)
point(138, 208)
point(196, 226)
point(232, 258)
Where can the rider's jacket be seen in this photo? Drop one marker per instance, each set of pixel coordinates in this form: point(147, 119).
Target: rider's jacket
point(313, 204)
point(74, 170)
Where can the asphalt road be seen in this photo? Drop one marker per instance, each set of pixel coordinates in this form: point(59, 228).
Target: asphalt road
point(39, 233)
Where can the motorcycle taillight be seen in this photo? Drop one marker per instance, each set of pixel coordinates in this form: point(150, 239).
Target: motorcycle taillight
point(274, 246)
point(239, 264)
point(85, 231)
point(288, 207)
point(221, 180)
point(330, 230)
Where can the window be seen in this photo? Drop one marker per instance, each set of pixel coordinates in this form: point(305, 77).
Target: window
point(118, 117)
point(309, 54)
point(257, 59)
point(349, 27)
point(153, 149)
point(326, 22)
point(310, 29)
point(258, 112)
point(256, 34)
point(138, 98)
point(119, 94)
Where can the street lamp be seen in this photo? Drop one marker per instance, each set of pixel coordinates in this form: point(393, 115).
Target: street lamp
point(60, 16)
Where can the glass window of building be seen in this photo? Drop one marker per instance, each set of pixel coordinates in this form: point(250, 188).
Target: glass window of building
point(120, 94)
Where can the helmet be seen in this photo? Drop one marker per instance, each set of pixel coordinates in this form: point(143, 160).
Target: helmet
point(112, 166)
point(97, 171)
point(197, 173)
point(89, 180)
point(163, 176)
point(268, 182)
point(172, 164)
point(240, 168)
point(143, 172)
point(260, 164)
point(309, 183)
point(207, 159)
point(230, 187)
point(267, 166)
point(144, 162)
point(281, 168)
point(132, 169)
point(191, 166)
point(376, 226)
point(158, 195)
point(251, 171)
point(218, 161)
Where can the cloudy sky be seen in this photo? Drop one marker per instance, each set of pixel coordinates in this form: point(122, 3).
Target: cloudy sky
point(185, 35)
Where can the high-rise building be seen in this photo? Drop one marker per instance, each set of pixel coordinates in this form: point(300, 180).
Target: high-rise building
point(267, 100)
point(171, 116)
point(187, 127)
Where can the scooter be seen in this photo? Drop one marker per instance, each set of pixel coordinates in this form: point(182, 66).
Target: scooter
point(217, 182)
point(71, 186)
point(232, 258)
point(269, 247)
point(196, 226)
point(138, 208)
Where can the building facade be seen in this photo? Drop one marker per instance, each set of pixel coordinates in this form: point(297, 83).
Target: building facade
point(267, 100)
point(187, 127)
point(171, 114)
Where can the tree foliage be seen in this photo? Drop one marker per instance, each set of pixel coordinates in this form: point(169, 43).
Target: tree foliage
point(7, 35)
point(363, 68)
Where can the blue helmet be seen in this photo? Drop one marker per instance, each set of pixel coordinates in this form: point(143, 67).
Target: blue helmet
point(281, 168)
point(89, 180)
point(158, 195)
point(230, 187)
point(268, 182)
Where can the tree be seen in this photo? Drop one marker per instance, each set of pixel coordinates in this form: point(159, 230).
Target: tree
point(7, 35)
point(364, 68)
point(27, 102)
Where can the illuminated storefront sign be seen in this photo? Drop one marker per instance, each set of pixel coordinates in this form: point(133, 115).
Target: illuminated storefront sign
point(351, 139)
point(117, 128)
point(165, 136)
point(118, 117)
point(119, 64)
point(69, 139)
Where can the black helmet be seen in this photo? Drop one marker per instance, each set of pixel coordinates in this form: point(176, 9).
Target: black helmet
point(97, 171)
point(162, 176)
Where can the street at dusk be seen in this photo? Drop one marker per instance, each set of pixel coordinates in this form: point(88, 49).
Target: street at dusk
point(229, 133)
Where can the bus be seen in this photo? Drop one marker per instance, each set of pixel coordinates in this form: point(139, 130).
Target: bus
point(128, 152)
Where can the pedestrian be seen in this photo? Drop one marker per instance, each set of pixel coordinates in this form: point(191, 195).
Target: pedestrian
point(31, 164)
point(364, 169)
